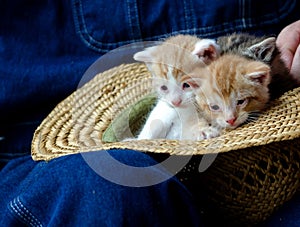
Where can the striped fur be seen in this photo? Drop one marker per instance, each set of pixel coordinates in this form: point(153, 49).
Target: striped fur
point(232, 87)
point(262, 49)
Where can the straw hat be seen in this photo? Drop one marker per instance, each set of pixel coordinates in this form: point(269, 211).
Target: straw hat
point(257, 167)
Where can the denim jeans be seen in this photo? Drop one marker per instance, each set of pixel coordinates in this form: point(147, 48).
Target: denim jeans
point(67, 192)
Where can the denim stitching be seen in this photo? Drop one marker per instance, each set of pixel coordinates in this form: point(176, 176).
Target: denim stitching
point(239, 21)
point(215, 30)
point(133, 18)
point(189, 14)
point(242, 12)
point(186, 18)
point(23, 213)
point(81, 29)
point(80, 23)
point(194, 21)
point(129, 17)
point(28, 212)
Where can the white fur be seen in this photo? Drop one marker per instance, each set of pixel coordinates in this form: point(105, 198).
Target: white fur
point(145, 55)
point(168, 122)
point(206, 44)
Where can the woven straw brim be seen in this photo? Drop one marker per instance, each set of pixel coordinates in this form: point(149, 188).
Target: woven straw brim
point(78, 122)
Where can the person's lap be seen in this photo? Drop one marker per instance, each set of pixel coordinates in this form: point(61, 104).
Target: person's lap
point(67, 191)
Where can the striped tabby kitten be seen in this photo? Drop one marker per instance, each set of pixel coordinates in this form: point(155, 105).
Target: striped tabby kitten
point(170, 64)
point(262, 49)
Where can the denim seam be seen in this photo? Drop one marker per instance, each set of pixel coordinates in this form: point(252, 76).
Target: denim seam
point(242, 23)
point(77, 13)
point(130, 21)
point(23, 213)
point(189, 14)
point(81, 29)
point(133, 18)
point(242, 12)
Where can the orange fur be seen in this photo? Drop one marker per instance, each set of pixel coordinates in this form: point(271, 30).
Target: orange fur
point(175, 52)
point(237, 85)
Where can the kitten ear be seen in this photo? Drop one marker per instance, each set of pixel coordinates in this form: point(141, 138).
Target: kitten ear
point(260, 76)
point(207, 50)
point(263, 51)
point(145, 55)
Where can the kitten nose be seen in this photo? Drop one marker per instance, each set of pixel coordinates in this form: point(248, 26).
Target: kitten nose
point(176, 102)
point(231, 121)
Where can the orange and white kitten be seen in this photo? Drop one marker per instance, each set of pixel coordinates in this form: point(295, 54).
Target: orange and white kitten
point(170, 63)
point(232, 90)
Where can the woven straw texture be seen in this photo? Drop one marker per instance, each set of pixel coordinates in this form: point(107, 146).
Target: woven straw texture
point(257, 167)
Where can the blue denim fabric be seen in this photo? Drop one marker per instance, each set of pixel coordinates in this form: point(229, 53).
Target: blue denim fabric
point(133, 20)
point(67, 192)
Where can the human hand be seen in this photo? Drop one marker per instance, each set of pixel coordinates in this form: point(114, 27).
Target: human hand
point(288, 41)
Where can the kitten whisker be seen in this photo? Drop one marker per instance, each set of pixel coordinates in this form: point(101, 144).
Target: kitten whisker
point(254, 114)
point(250, 120)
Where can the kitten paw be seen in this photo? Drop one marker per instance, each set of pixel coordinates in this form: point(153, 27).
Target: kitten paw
point(209, 132)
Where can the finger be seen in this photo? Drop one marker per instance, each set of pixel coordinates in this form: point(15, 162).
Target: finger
point(289, 37)
point(295, 67)
point(288, 41)
point(287, 57)
point(286, 45)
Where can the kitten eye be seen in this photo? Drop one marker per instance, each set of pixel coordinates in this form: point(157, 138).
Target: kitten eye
point(241, 102)
point(215, 108)
point(185, 86)
point(164, 88)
